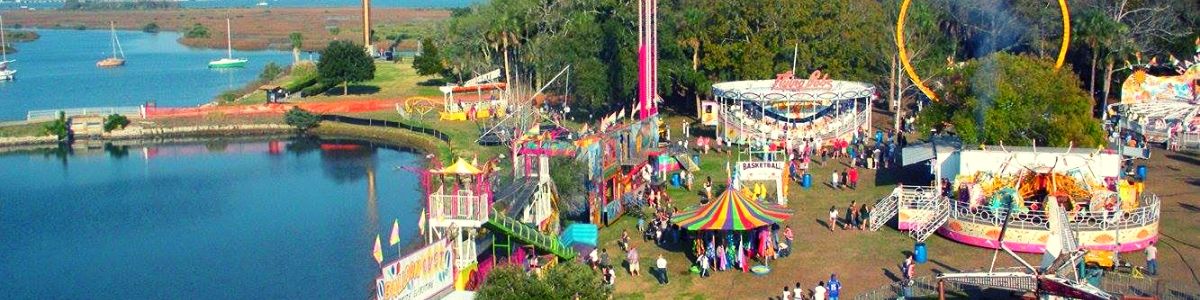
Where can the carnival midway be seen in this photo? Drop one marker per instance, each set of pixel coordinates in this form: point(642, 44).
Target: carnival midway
point(1063, 217)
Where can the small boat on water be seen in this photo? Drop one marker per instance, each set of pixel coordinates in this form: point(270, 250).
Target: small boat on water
point(228, 61)
point(262, 3)
point(113, 61)
point(6, 74)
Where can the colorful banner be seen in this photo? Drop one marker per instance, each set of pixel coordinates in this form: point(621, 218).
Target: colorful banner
point(419, 275)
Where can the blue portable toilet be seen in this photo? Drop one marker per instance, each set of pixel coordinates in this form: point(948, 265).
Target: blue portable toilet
point(1141, 172)
point(919, 254)
point(806, 181)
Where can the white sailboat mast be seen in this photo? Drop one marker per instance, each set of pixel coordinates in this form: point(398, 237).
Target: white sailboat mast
point(228, 40)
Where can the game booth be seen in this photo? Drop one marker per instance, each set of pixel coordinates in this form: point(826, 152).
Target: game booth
point(762, 110)
point(1108, 210)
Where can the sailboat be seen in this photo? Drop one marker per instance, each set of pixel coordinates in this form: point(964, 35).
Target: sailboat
point(228, 61)
point(116, 45)
point(5, 73)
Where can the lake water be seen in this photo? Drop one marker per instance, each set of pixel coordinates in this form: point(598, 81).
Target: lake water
point(282, 219)
point(59, 70)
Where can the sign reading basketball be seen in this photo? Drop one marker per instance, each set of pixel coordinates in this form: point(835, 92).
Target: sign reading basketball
point(816, 81)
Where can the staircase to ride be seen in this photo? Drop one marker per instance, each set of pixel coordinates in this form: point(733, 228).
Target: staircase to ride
point(502, 224)
point(929, 210)
point(885, 209)
point(937, 210)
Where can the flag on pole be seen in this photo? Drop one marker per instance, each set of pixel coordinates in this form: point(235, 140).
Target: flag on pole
point(395, 239)
point(378, 253)
point(421, 223)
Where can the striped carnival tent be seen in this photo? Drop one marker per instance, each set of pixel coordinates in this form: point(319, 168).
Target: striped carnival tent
point(731, 211)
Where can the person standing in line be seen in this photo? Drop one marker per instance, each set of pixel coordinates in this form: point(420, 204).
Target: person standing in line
point(788, 235)
point(835, 287)
point(819, 291)
point(833, 214)
point(662, 270)
point(1152, 259)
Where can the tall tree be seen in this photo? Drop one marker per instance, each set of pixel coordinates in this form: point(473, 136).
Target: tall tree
point(429, 62)
point(343, 62)
point(1015, 100)
point(297, 40)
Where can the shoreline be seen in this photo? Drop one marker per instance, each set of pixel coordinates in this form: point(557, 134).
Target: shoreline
point(400, 138)
point(253, 28)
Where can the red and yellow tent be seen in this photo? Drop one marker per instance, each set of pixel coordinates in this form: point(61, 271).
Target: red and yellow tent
point(731, 211)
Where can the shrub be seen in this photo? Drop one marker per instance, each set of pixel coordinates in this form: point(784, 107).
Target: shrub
point(115, 121)
point(228, 96)
point(150, 28)
point(197, 31)
point(303, 76)
point(301, 119)
point(270, 72)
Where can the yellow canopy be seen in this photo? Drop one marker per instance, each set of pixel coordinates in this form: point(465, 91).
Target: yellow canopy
point(460, 167)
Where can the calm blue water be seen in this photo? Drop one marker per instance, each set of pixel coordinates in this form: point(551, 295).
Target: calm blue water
point(290, 3)
point(216, 220)
point(59, 70)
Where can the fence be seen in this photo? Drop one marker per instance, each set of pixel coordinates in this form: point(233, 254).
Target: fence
point(384, 123)
point(51, 114)
point(1146, 213)
point(1112, 282)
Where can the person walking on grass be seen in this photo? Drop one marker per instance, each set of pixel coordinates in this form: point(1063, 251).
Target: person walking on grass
point(635, 268)
point(833, 180)
point(661, 263)
point(703, 261)
point(833, 214)
point(819, 291)
point(787, 293)
point(849, 216)
point(798, 292)
point(835, 287)
point(788, 235)
point(1152, 259)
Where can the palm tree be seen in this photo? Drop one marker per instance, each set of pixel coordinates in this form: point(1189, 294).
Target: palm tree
point(1096, 30)
point(297, 42)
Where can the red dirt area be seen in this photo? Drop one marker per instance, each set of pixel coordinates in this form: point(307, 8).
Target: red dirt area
point(341, 107)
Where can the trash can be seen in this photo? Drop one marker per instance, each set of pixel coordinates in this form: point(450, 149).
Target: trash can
point(806, 181)
point(696, 159)
point(1141, 172)
point(675, 180)
point(919, 254)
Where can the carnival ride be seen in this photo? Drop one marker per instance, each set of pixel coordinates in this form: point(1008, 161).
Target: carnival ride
point(1161, 108)
point(477, 98)
point(1057, 275)
point(916, 79)
point(1109, 213)
point(819, 108)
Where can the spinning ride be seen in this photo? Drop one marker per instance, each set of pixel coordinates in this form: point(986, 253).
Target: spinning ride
point(768, 110)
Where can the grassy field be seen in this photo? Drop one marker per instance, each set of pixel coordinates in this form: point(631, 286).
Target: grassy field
point(253, 28)
point(392, 81)
point(33, 129)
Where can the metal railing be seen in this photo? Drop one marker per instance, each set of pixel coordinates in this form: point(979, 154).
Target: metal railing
point(51, 114)
point(1146, 213)
point(463, 205)
point(885, 210)
point(843, 124)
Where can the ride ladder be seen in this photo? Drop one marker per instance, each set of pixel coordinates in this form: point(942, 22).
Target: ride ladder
point(885, 210)
point(924, 225)
point(514, 229)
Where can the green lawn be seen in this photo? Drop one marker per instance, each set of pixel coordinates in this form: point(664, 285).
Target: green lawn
point(392, 81)
point(33, 129)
